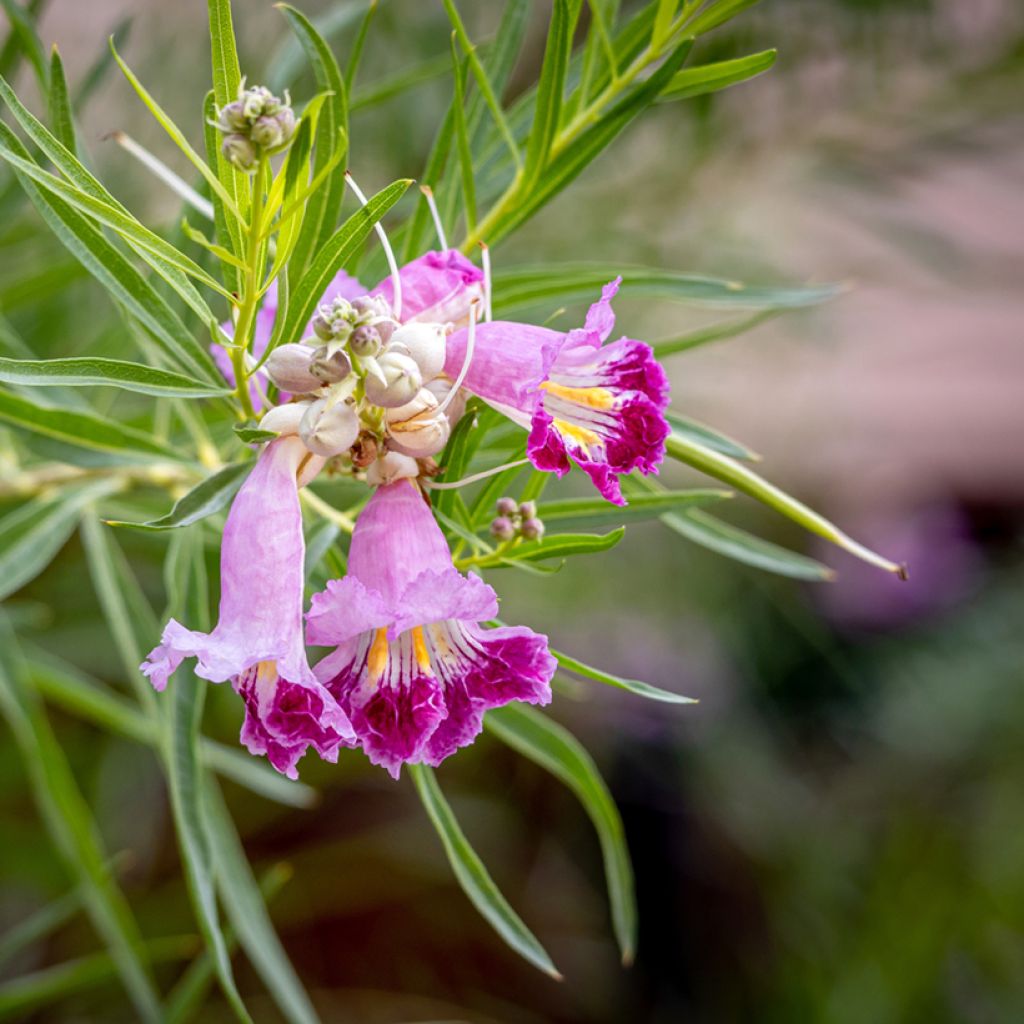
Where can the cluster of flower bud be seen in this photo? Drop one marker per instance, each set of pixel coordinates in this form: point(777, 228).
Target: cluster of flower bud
point(257, 124)
point(516, 520)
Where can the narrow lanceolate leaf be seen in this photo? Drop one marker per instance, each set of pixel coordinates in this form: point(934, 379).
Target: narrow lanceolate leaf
point(705, 335)
point(716, 14)
point(88, 371)
point(473, 877)
point(106, 262)
point(462, 138)
point(203, 500)
point(644, 506)
point(226, 72)
point(518, 287)
point(746, 480)
point(710, 438)
point(72, 828)
point(330, 144)
point(182, 717)
point(562, 545)
point(557, 751)
point(632, 685)
point(334, 254)
point(32, 534)
point(245, 907)
point(227, 229)
point(44, 922)
point(84, 430)
point(61, 120)
point(718, 75)
point(27, 40)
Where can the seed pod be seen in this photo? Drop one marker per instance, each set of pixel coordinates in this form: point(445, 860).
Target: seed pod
point(402, 379)
point(425, 343)
point(330, 430)
point(330, 367)
point(392, 466)
point(290, 368)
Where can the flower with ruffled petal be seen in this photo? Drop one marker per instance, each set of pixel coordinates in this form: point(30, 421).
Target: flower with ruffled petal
point(438, 287)
point(600, 406)
point(413, 668)
point(258, 640)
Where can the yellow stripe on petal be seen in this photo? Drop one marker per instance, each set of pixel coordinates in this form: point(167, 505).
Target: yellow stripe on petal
point(377, 659)
point(582, 435)
point(592, 398)
point(419, 646)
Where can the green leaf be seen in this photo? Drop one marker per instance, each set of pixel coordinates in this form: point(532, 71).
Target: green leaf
point(24, 30)
point(74, 692)
point(705, 335)
point(330, 143)
point(746, 480)
point(333, 255)
point(557, 751)
point(523, 286)
point(185, 777)
point(248, 433)
point(709, 438)
point(61, 119)
point(562, 545)
point(40, 924)
point(223, 50)
point(716, 14)
point(383, 89)
point(89, 371)
point(72, 828)
point(32, 534)
point(643, 506)
point(226, 228)
point(244, 905)
point(84, 430)
point(717, 75)
point(462, 138)
point(473, 877)
point(632, 685)
point(203, 500)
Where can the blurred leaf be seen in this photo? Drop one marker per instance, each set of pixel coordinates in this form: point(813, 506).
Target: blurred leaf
point(86, 430)
point(182, 717)
point(285, 62)
point(710, 438)
point(517, 287)
point(40, 924)
point(28, 39)
point(32, 534)
point(383, 89)
point(557, 751)
point(717, 75)
point(206, 498)
point(644, 506)
point(244, 905)
point(716, 14)
point(100, 67)
point(632, 685)
point(72, 828)
point(473, 877)
point(61, 120)
point(13, 49)
point(462, 138)
point(356, 53)
point(706, 335)
point(96, 372)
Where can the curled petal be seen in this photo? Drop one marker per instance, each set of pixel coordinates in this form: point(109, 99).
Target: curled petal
point(439, 287)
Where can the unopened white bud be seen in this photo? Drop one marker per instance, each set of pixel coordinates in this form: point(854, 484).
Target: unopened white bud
point(330, 367)
point(284, 419)
point(418, 428)
point(329, 431)
point(398, 382)
point(440, 388)
point(289, 367)
point(392, 466)
point(423, 342)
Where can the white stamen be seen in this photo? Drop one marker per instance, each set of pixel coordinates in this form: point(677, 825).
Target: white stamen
point(470, 345)
point(428, 194)
point(396, 281)
point(164, 173)
point(445, 486)
point(485, 257)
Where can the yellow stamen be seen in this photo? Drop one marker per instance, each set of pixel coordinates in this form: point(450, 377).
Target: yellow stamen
point(377, 659)
point(419, 646)
point(592, 398)
point(582, 434)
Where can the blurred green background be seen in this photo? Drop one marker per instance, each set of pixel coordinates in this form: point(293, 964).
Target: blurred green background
point(836, 831)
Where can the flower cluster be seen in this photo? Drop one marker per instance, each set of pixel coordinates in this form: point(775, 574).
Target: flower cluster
point(372, 389)
point(257, 124)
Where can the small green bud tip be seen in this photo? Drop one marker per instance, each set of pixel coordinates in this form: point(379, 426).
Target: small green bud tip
point(507, 507)
point(503, 528)
point(532, 529)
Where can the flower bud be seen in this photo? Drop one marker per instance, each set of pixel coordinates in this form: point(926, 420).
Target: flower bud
point(503, 528)
point(232, 118)
point(367, 307)
point(330, 367)
point(365, 341)
point(418, 428)
point(532, 529)
point(257, 100)
point(267, 132)
point(330, 430)
point(285, 118)
point(284, 419)
point(528, 510)
point(289, 367)
point(440, 387)
point(507, 507)
point(425, 343)
point(237, 149)
point(401, 380)
point(392, 466)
